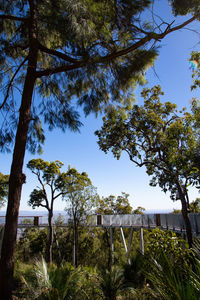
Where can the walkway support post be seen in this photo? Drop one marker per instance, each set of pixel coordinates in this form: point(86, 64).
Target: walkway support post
point(125, 246)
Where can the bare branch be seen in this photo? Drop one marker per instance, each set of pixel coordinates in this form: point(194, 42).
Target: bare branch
point(58, 195)
point(43, 205)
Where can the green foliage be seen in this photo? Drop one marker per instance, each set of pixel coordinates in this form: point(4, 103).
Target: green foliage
point(183, 7)
point(195, 57)
point(155, 136)
point(167, 242)
point(114, 205)
point(4, 181)
point(139, 210)
point(112, 283)
point(60, 283)
point(174, 282)
point(195, 206)
point(101, 51)
point(48, 175)
point(32, 243)
point(168, 269)
point(79, 194)
point(134, 272)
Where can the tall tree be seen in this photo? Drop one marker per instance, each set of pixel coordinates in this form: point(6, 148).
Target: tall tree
point(58, 50)
point(81, 197)
point(50, 189)
point(155, 136)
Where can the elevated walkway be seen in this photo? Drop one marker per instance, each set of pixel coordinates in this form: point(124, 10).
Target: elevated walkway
point(173, 222)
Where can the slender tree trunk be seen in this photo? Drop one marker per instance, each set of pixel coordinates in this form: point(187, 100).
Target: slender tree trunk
point(17, 178)
point(187, 222)
point(75, 244)
point(50, 237)
point(184, 211)
point(109, 250)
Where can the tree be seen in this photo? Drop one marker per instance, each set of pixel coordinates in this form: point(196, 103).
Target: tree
point(49, 177)
point(154, 136)
point(4, 181)
point(59, 50)
point(139, 210)
point(112, 205)
point(81, 197)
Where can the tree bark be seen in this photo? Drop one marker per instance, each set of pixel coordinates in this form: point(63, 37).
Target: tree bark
point(184, 211)
point(17, 178)
point(50, 238)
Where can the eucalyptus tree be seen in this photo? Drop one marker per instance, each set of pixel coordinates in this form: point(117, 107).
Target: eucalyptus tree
point(49, 177)
point(60, 50)
point(81, 197)
point(112, 205)
point(154, 135)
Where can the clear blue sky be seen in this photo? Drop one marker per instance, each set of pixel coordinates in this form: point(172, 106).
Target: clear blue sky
point(107, 174)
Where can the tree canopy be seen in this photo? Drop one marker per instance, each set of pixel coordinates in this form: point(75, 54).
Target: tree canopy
point(112, 205)
point(64, 52)
point(156, 136)
point(80, 195)
point(48, 175)
point(108, 44)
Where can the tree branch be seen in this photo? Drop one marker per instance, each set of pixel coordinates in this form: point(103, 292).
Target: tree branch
point(43, 205)
point(150, 36)
point(145, 162)
point(11, 81)
point(58, 195)
point(115, 54)
point(57, 54)
point(14, 18)
point(65, 68)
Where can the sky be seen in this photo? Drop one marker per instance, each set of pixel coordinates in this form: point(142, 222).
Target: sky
point(109, 175)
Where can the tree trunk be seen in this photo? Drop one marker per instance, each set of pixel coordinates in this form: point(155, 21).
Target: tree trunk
point(17, 178)
point(109, 262)
point(50, 238)
point(75, 244)
point(184, 211)
point(187, 223)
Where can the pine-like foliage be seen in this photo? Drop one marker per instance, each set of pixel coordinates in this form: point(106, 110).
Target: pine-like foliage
point(90, 52)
